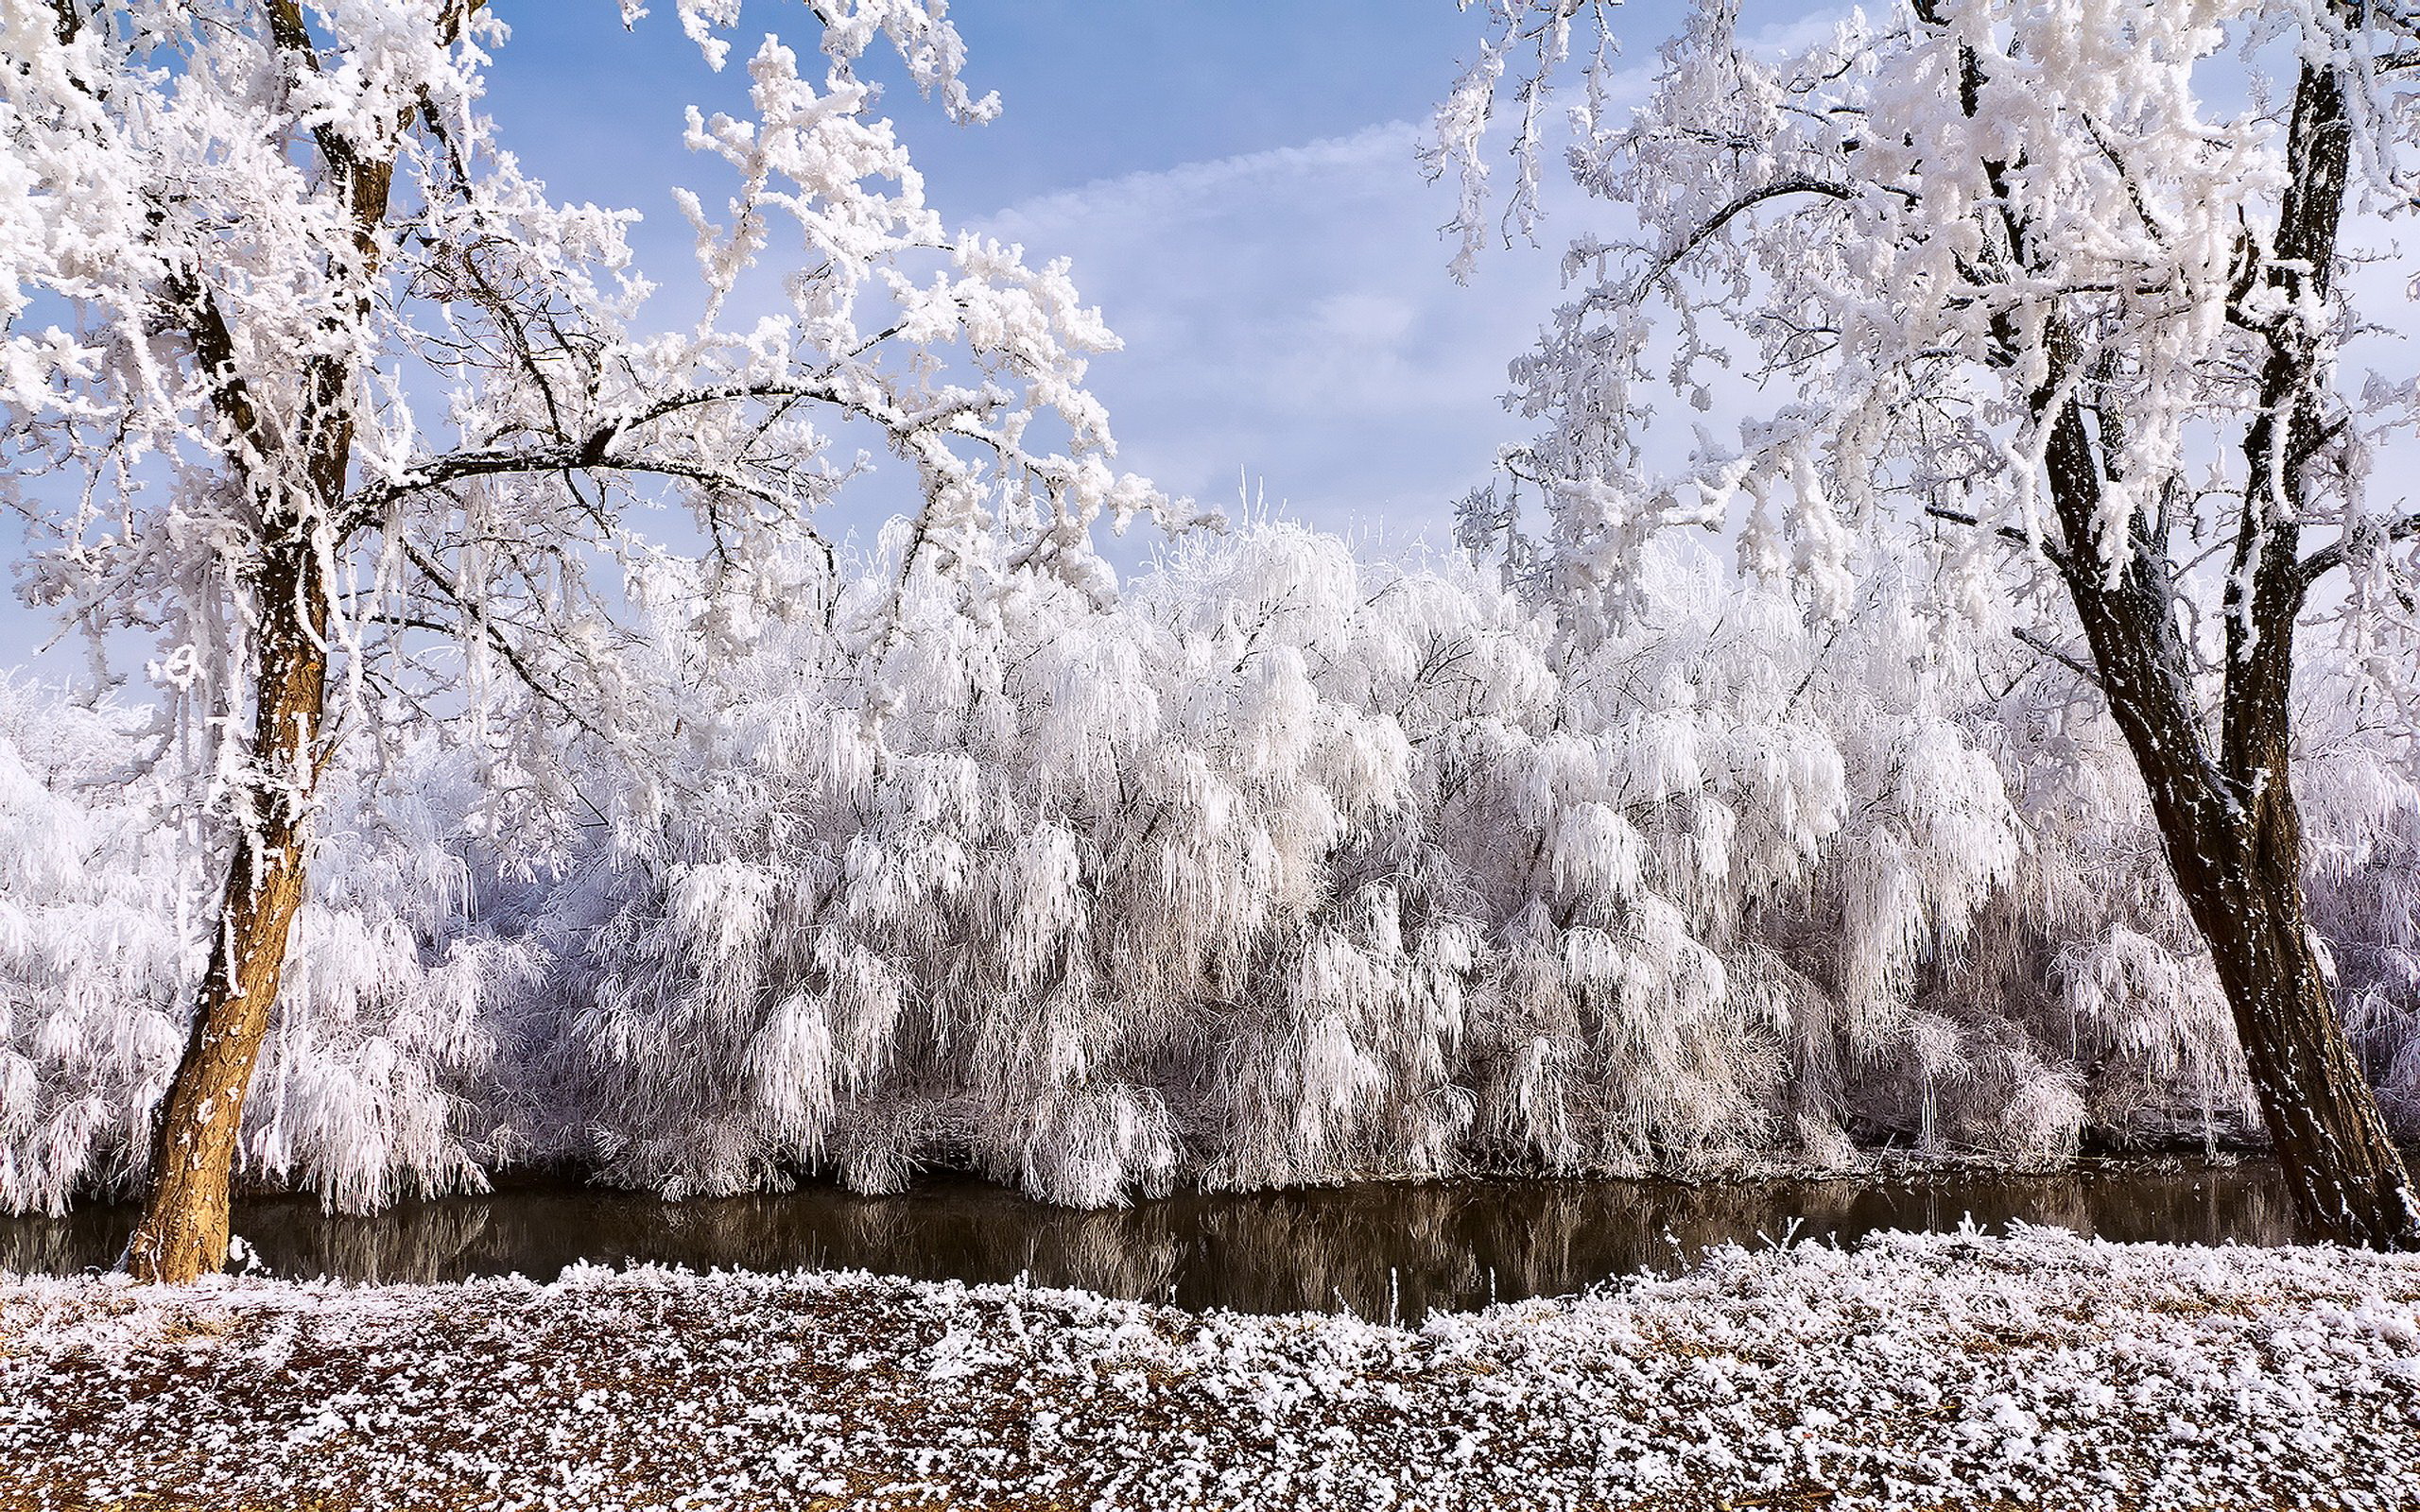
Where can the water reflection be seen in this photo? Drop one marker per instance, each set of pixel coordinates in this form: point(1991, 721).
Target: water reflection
point(1378, 1249)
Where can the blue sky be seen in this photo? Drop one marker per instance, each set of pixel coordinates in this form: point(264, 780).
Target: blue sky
point(1234, 180)
point(1235, 183)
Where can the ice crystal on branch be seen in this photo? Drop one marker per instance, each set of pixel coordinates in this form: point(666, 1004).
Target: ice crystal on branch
point(191, 308)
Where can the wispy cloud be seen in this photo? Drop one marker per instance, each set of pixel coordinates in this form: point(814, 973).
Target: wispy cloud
point(1289, 317)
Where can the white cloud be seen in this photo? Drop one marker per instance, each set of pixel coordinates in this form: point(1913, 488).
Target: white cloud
point(1375, 322)
point(1287, 316)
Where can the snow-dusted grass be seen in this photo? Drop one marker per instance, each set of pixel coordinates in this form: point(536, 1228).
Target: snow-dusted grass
point(2037, 1369)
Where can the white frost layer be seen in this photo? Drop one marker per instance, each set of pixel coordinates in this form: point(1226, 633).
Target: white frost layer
point(1290, 866)
point(1914, 1371)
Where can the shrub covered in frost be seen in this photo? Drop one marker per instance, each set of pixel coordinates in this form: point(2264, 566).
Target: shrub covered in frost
point(1285, 867)
point(379, 1077)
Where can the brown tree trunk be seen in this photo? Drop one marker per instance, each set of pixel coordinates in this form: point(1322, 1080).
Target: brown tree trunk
point(2234, 841)
point(2226, 812)
point(297, 474)
point(2347, 1177)
point(183, 1231)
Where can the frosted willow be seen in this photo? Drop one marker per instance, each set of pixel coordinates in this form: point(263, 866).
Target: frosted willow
point(309, 384)
point(1284, 867)
point(2064, 284)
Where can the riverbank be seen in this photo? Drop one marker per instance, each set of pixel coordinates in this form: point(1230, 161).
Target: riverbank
point(1384, 1249)
point(2037, 1369)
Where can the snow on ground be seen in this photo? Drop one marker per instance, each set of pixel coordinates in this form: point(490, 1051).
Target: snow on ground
point(1911, 1371)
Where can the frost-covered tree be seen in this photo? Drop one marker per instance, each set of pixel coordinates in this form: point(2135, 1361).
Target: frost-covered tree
point(2070, 286)
point(1283, 867)
point(306, 382)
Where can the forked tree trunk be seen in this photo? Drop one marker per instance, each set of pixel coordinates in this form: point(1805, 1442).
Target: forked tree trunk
point(2226, 810)
point(2348, 1179)
point(2234, 840)
point(183, 1231)
point(2245, 886)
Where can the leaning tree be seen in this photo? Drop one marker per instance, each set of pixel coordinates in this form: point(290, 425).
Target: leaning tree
point(303, 377)
point(2067, 285)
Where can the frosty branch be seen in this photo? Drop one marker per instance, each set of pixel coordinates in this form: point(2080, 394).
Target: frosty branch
point(325, 366)
point(2066, 302)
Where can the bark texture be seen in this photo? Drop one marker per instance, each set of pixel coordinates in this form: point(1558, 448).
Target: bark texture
point(2223, 797)
point(299, 476)
point(183, 1231)
point(2226, 807)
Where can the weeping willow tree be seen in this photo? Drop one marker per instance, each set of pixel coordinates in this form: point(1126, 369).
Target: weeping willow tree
point(1283, 868)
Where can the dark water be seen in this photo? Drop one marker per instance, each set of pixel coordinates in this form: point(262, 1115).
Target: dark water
point(1381, 1249)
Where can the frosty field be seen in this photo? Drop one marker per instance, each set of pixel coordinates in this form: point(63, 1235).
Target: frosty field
point(2036, 1370)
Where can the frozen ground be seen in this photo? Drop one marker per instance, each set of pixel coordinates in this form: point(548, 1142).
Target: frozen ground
point(2038, 1369)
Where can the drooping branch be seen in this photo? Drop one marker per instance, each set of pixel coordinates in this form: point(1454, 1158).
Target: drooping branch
point(1713, 224)
point(466, 604)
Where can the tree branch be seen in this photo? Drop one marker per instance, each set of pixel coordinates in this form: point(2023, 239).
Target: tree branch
point(1713, 224)
point(363, 179)
point(2327, 559)
point(495, 637)
point(590, 449)
point(2033, 641)
point(2049, 548)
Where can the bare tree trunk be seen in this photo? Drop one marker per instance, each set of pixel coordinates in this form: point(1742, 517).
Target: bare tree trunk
point(2234, 840)
point(2226, 810)
point(2348, 1178)
point(183, 1231)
